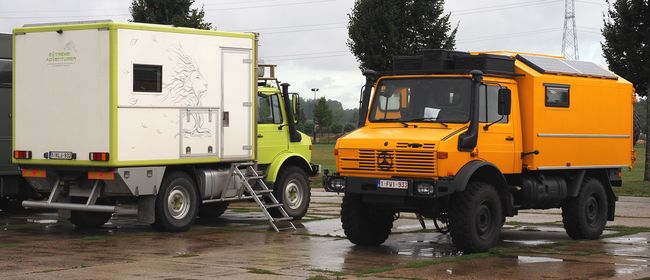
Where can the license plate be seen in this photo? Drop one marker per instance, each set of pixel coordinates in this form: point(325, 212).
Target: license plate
point(61, 155)
point(392, 184)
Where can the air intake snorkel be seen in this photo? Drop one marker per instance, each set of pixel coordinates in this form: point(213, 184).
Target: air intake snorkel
point(294, 135)
point(468, 140)
point(364, 102)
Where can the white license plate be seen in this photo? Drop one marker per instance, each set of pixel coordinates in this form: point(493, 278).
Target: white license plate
point(60, 155)
point(392, 184)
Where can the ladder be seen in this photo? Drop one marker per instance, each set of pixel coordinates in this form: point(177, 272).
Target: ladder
point(247, 173)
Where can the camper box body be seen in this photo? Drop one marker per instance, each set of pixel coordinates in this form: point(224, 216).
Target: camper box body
point(134, 94)
point(591, 128)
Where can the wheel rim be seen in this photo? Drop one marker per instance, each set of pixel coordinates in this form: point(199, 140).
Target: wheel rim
point(178, 202)
point(483, 220)
point(293, 195)
point(592, 209)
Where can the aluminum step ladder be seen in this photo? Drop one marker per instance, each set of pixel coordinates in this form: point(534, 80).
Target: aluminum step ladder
point(247, 173)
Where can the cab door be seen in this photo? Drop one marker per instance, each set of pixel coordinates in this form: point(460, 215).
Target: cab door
point(272, 131)
point(496, 144)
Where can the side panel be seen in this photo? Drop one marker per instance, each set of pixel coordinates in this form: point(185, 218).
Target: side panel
point(62, 92)
point(237, 103)
point(183, 119)
point(594, 131)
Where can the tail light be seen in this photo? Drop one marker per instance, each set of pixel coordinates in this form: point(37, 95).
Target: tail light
point(99, 156)
point(23, 154)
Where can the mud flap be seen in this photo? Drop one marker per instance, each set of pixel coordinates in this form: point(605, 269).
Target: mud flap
point(146, 209)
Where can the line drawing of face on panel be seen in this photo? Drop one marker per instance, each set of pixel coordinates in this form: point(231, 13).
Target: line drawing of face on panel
point(187, 87)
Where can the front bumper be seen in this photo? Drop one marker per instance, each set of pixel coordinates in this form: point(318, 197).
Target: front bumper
point(371, 186)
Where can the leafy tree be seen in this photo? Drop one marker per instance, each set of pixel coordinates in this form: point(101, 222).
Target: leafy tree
point(349, 127)
point(627, 48)
point(380, 29)
point(336, 128)
point(322, 113)
point(174, 12)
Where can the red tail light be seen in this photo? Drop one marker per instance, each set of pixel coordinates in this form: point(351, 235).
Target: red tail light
point(23, 154)
point(101, 156)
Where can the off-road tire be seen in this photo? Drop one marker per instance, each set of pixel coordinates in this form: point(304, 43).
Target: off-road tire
point(296, 177)
point(180, 189)
point(585, 216)
point(89, 220)
point(212, 210)
point(363, 225)
point(475, 218)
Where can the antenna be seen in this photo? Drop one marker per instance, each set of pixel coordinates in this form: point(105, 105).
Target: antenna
point(570, 36)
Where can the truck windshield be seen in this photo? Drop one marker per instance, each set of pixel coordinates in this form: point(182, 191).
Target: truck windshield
point(443, 100)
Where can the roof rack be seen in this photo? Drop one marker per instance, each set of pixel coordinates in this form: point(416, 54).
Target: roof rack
point(437, 61)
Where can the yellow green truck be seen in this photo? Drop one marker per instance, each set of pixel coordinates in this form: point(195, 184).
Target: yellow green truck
point(163, 122)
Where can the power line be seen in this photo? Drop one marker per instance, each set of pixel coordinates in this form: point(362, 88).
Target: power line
point(305, 54)
point(216, 9)
point(292, 26)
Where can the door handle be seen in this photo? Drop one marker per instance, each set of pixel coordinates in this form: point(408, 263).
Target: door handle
point(510, 138)
point(260, 136)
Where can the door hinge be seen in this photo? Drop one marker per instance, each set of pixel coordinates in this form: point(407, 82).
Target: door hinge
point(247, 147)
point(247, 61)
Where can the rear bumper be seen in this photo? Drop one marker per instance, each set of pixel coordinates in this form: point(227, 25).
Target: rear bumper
point(315, 169)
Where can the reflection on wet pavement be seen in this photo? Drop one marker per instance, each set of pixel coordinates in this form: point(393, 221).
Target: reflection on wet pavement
point(240, 245)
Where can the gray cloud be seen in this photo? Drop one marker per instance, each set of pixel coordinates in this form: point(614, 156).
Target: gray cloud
point(307, 38)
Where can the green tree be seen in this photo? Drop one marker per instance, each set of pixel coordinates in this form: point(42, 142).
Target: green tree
point(322, 113)
point(380, 29)
point(175, 12)
point(627, 49)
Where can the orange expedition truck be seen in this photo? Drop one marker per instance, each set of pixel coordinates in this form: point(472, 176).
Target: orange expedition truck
point(467, 139)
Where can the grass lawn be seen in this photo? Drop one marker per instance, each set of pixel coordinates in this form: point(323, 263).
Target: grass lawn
point(633, 184)
point(322, 154)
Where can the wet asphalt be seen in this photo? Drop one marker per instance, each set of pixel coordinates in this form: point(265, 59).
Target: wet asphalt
point(240, 245)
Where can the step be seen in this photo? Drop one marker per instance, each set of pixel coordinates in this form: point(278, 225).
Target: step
point(263, 191)
point(245, 164)
point(273, 205)
point(254, 177)
point(282, 219)
point(286, 228)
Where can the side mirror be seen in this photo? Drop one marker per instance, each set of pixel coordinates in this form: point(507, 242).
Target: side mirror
point(295, 106)
point(505, 96)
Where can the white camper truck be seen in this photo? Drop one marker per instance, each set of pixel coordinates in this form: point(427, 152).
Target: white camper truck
point(158, 115)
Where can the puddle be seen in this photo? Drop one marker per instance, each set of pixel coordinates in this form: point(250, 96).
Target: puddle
point(529, 260)
point(623, 269)
point(530, 242)
point(628, 240)
point(42, 221)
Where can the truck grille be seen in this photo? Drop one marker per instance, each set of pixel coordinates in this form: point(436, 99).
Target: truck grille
point(392, 162)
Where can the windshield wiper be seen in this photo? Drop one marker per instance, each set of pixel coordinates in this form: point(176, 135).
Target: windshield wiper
point(426, 120)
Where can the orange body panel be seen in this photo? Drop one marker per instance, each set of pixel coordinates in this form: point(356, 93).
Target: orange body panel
point(595, 131)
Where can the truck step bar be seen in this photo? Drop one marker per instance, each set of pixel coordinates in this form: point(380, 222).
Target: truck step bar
point(246, 172)
point(89, 206)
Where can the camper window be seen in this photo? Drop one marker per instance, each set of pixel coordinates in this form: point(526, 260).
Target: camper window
point(147, 78)
point(557, 96)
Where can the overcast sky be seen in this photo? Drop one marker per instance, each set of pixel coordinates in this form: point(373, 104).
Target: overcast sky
point(307, 38)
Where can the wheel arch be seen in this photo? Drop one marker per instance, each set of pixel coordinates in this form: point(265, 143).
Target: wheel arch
point(284, 160)
point(483, 171)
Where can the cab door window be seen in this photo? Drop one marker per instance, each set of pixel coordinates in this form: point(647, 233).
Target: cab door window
point(489, 104)
point(268, 109)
